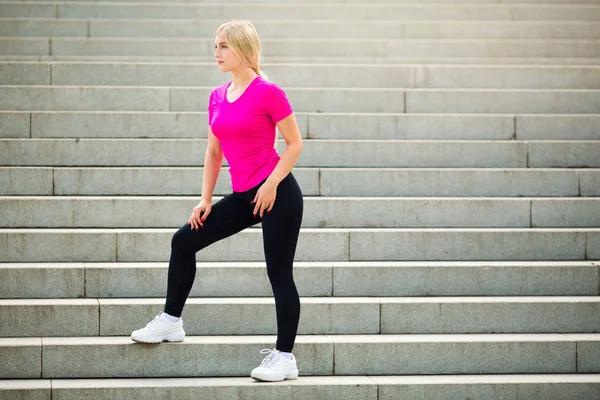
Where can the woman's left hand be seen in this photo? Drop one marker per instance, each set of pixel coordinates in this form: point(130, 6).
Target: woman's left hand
point(265, 198)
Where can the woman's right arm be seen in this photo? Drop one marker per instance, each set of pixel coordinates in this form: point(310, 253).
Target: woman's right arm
point(213, 160)
point(212, 166)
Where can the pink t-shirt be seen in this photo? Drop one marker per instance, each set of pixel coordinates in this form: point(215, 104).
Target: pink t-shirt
point(246, 130)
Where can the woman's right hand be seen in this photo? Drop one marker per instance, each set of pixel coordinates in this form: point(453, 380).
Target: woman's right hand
point(199, 214)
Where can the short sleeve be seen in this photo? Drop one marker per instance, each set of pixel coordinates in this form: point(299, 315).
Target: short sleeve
point(278, 105)
point(210, 108)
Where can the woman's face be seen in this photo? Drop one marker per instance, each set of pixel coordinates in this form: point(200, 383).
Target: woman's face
point(226, 58)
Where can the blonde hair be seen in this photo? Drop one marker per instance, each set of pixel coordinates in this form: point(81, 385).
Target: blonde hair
point(243, 40)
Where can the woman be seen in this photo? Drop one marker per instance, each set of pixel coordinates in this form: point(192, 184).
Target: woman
point(242, 116)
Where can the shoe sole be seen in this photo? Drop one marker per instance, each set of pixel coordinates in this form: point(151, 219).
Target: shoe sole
point(290, 376)
point(177, 337)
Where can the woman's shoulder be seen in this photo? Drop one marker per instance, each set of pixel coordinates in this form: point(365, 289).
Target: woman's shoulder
point(269, 88)
point(266, 84)
point(219, 89)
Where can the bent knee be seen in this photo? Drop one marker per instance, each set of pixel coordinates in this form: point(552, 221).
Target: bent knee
point(180, 240)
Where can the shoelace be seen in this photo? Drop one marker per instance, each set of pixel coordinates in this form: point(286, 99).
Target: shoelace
point(270, 359)
point(153, 322)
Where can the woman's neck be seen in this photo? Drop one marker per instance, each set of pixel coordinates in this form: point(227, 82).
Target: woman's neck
point(243, 77)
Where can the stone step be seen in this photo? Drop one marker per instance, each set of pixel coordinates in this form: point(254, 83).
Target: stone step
point(321, 244)
point(306, 47)
point(68, 181)
point(358, 2)
point(214, 356)
point(357, 100)
point(377, 126)
point(319, 316)
point(297, 75)
point(396, 12)
point(321, 279)
point(195, 28)
point(313, 279)
point(316, 153)
point(316, 60)
point(470, 182)
point(489, 387)
point(363, 182)
point(319, 212)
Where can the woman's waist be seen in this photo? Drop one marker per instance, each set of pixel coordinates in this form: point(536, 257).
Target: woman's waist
point(249, 161)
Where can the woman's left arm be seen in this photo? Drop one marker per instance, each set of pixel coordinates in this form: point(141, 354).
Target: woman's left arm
point(265, 196)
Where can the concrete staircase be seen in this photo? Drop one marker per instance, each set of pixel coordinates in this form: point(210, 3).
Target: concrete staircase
point(451, 241)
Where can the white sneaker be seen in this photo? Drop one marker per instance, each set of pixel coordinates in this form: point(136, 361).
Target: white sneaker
point(160, 329)
point(275, 367)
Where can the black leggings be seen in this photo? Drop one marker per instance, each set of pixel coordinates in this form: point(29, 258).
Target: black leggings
point(228, 216)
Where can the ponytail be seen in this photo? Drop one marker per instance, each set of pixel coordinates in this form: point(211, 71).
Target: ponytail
point(259, 72)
